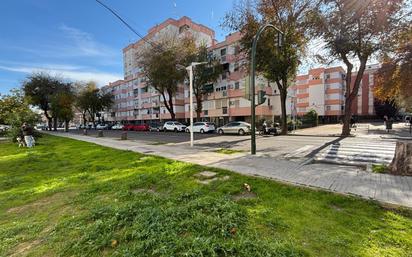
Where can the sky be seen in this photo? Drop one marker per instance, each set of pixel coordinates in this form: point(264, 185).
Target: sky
point(80, 40)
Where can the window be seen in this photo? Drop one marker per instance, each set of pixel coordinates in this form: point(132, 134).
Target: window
point(327, 76)
point(206, 112)
point(328, 107)
point(236, 85)
point(183, 28)
point(224, 75)
point(236, 68)
point(223, 51)
point(237, 49)
point(224, 110)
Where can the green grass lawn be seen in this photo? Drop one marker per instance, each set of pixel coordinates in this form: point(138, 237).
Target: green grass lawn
point(71, 198)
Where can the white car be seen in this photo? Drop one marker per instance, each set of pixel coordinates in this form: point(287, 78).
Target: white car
point(174, 126)
point(117, 127)
point(202, 127)
point(102, 126)
point(4, 127)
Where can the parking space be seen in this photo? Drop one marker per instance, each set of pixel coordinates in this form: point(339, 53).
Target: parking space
point(291, 147)
point(155, 137)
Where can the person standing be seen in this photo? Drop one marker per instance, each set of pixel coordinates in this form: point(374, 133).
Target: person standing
point(28, 135)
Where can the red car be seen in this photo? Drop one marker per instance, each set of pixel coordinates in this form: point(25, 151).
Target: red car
point(141, 127)
point(128, 127)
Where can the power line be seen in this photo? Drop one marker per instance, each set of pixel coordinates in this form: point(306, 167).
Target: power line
point(155, 46)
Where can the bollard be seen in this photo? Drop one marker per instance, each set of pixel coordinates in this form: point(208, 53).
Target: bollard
point(100, 133)
point(85, 132)
point(124, 136)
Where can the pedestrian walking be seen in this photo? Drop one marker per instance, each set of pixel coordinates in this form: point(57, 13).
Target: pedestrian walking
point(28, 135)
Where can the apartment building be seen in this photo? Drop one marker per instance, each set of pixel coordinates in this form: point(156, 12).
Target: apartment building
point(135, 100)
point(321, 89)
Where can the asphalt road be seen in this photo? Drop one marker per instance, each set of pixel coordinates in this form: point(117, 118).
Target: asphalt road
point(156, 137)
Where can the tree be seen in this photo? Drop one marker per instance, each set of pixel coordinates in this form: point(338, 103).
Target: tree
point(386, 107)
point(62, 104)
point(15, 110)
point(394, 78)
point(279, 66)
point(91, 100)
point(204, 74)
point(163, 66)
point(355, 31)
point(39, 89)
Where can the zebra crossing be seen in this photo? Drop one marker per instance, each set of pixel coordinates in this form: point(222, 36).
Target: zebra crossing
point(358, 151)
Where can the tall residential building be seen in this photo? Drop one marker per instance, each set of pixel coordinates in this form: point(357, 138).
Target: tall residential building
point(322, 89)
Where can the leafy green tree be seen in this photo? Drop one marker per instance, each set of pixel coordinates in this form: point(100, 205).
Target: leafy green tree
point(162, 65)
point(91, 100)
point(276, 65)
point(62, 104)
point(15, 110)
point(39, 89)
point(204, 74)
point(355, 31)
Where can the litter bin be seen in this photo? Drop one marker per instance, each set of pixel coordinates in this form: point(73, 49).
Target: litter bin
point(389, 125)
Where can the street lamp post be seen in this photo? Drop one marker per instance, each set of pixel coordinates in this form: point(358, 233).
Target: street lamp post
point(190, 70)
point(252, 79)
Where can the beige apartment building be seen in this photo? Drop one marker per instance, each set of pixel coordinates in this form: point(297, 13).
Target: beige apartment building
point(322, 89)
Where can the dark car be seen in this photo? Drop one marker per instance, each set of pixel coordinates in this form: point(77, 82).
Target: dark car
point(156, 127)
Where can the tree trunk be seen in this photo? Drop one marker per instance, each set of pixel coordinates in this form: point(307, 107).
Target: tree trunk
point(49, 120)
point(169, 105)
point(66, 126)
point(284, 120)
point(346, 118)
point(199, 108)
point(351, 94)
point(402, 162)
point(55, 124)
point(49, 123)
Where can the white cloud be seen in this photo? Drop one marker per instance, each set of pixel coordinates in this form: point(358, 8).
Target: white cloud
point(74, 73)
point(83, 43)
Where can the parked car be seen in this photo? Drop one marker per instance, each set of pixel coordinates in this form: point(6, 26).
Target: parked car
point(128, 127)
point(202, 127)
point(141, 127)
point(4, 128)
point(174, 126)
point(235, 127)
point(117, 126)
point(41, 126)
point(156, 127)
point(407, 120)
point(102, 126)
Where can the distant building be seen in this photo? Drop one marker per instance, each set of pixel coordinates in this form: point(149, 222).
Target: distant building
point(322, 89)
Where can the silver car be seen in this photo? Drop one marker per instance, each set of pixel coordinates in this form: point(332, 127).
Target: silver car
point(235, 127)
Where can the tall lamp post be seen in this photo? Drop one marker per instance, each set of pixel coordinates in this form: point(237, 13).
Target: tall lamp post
point(252, 78)
point(190, 70)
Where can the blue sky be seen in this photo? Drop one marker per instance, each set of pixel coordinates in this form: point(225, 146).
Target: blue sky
point(79, 40)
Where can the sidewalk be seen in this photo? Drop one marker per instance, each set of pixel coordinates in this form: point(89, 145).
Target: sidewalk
point(341, 179)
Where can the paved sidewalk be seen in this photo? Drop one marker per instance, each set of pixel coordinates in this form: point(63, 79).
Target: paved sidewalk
point(342, 179)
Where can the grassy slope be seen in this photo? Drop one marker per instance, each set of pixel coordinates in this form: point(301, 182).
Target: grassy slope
point(72, 198)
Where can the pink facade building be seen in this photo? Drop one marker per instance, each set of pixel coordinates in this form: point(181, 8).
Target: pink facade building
point(322, 89)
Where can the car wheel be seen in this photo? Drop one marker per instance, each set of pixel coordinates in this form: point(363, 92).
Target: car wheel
point(175, 130)
point(158, 129)
point(221, 131)
point(241, 132)
point(187, 130)
point(202, 131)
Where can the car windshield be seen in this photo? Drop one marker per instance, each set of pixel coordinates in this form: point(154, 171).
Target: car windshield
point(178, 123)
